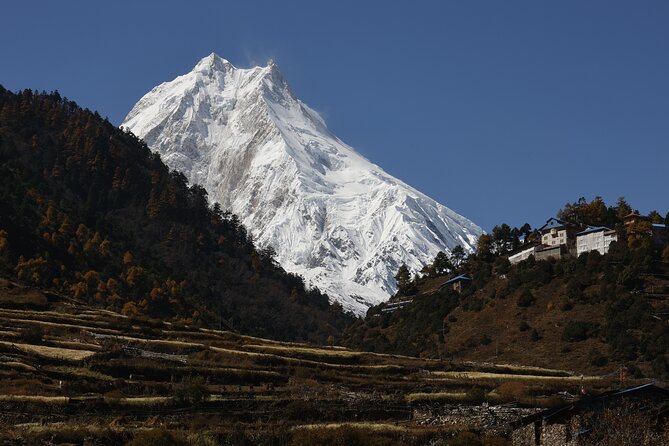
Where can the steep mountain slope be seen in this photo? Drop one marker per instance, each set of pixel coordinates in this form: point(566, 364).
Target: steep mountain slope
point(332, 216)
point(86, 210)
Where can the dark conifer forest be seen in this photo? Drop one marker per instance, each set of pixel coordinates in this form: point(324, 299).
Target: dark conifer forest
point(88, 211)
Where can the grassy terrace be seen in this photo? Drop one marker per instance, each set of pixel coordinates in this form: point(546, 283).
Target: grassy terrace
point(77, 368)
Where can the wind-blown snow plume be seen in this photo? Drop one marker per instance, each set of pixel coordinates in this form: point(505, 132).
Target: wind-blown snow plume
point(331, 215)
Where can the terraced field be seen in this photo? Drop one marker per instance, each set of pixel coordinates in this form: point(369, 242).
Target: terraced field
point(70, 372)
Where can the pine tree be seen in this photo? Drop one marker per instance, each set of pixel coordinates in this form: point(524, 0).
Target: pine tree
point(403, 278)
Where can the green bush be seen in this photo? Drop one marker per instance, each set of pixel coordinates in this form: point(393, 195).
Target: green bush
point(534, 336)
point(567, 306)
point(577, 331)
point(525, 299)
point(32, 334)
point(597, 359)
point(191, 390)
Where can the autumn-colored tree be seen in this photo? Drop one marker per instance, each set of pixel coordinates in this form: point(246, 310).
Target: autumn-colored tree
point(93, 243)
point(49, 216)
point(484, 247)
point(65, 227)
point(105, 247)
point(35, 270)
point(294, 295)
point(79, 290)
point(81, 232)
point(130, 309)
point(639, 234)
point(128, 258)
point(4, 240)
point(135, 277)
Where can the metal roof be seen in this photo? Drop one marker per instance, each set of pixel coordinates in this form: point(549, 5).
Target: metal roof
point(554, 223)
point(458, 278)
point(593, 229)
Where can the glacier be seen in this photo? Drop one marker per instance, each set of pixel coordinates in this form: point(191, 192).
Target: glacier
point(332, 216)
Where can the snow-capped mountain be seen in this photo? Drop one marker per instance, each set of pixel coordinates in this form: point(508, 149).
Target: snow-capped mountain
point(331, 215)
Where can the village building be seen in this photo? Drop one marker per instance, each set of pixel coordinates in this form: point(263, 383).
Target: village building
point(523, 253)
point(632, 218)
point(458, 282)
point(570, 424)
point(558, 239)
point(595, 239)
point(658, 232)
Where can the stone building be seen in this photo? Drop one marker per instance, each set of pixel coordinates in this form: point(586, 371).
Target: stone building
point(558, 239)
point(522, 253)
point(595, 239)
point(558, 232)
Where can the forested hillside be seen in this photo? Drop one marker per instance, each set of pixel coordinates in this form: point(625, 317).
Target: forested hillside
point(88, 211)
point(591, 313)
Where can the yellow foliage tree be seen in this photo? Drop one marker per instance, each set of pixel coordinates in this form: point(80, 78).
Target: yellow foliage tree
point(4, 240)
point(79, 290)
point(639, 234)
point(35, 270)
point(128, 258)
point(65, 227)
point(130, 309)
point(105, 247)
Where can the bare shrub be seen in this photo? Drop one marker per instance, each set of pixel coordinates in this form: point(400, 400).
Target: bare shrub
point(623, 426)
point(512, 391)
point(157, 437)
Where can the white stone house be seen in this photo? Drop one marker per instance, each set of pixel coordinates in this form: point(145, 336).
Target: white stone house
point(595, 239)
point(522, 254)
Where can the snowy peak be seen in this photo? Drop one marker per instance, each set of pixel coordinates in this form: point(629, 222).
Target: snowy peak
point(332, 216)
point(213, 63)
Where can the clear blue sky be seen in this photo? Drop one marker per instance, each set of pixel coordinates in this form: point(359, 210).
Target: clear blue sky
point(501, 110)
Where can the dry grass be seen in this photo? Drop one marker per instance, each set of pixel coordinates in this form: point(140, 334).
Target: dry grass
point(79, 372)
point(140, 400)
point(23, 322)
point(516, 369)
point(18, 366)
point(59, 400)
point(437, 397)
point(74, 345)
point(376, 427)
point(469, 376)
point(51, 352)
point(353, 368)
point(305, 350)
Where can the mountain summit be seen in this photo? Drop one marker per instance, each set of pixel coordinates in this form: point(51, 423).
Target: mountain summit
point(332, 216)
